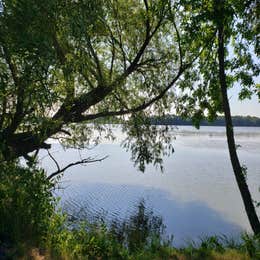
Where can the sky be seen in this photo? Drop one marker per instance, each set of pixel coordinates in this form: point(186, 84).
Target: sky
point(246, 107)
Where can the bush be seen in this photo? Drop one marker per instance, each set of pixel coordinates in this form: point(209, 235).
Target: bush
point(139, 234)
point(26, 205)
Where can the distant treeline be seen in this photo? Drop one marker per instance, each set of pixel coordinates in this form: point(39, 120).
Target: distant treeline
point(220, 121)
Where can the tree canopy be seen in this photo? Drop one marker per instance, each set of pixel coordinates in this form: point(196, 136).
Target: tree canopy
point(201, 95)
point(217, 70)
point(66, 62)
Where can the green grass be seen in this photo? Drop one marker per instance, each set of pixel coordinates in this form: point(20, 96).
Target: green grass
point(137, 241)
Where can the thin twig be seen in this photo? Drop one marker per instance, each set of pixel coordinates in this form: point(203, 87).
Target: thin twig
point(56, 163)
point(83, 161)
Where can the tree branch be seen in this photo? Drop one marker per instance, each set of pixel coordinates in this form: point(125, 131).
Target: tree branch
point(61, 54)
point(147, 18)
point(97, 62)
point(20, 94)
point(56, 163)
point(85, 101)
point(3, 112)
point(131, 110)
point(83, 161)
point(179, 42)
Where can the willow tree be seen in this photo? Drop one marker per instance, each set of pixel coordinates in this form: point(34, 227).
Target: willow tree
point(67, 63)
point(228, 60)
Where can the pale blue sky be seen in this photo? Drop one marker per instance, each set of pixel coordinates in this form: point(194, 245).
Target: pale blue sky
point(246, 107)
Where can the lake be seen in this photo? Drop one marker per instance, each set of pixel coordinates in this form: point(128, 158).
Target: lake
point(196, 195)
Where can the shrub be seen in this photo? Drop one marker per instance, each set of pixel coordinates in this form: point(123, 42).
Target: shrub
point(26, 205)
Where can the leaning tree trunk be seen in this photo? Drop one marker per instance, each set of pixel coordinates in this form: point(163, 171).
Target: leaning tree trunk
point(238, 171)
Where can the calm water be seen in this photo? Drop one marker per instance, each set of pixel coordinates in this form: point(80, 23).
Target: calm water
point(196, 195)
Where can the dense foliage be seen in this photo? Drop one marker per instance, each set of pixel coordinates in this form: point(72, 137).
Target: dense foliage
point(27, 205)
point(200, 94)
point(67, 62)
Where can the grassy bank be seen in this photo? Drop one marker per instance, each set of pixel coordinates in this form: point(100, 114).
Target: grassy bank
point(101, 244)
point(31, 227)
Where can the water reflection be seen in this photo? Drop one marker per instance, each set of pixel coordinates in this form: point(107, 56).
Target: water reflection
point(191, 174)
point(183, 220)
point(196, 195)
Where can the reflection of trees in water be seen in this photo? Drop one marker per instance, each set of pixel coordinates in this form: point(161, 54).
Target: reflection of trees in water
point(142, 228)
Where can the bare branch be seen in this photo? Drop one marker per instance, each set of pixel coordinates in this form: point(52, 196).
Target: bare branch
point(83, 161)
point(179, 42)
point(56, 163)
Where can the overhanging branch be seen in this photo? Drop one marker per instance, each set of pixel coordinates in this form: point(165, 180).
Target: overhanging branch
point(61, 170)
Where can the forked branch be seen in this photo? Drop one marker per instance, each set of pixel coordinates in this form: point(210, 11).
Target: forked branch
point(61, 170)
